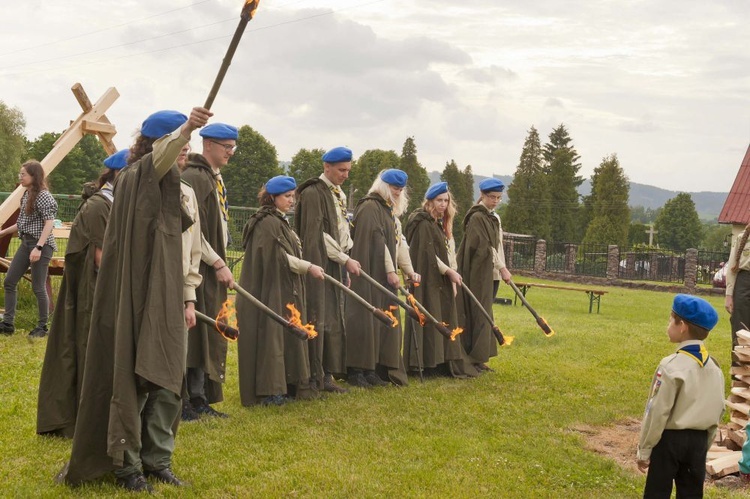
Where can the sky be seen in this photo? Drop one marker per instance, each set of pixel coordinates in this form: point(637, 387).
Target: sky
point(664, 85)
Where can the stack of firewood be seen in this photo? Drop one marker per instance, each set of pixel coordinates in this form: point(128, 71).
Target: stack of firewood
point(723, 456)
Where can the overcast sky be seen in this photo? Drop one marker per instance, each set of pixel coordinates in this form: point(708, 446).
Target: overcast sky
point(663, 84)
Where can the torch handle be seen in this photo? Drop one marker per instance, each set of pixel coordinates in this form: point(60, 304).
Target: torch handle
point(229, 330)
point(390, 294)
point(420, 306)
point(226, 62)
point(523, 300)
point(273, 315)
point(369, 306)
point(495, 330)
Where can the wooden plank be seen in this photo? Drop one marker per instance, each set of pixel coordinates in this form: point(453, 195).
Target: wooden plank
point(724, 465)
point(98, 127)
point(741, 392)
point(742, 407)
point(569, 288)
point(740, 370)
point(743, 337)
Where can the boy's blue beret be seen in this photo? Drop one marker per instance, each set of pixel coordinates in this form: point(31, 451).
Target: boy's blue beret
point(695, 311)
point(338, 155)
point(491, 185)
point(219, 131)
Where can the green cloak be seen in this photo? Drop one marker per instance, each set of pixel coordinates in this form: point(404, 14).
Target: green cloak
point(475, 264)
point(207, 350)
point(270, 360)
point(426, 241)
point(371, 345)
point(62, 372)
point(315, 215)
point(137, 335)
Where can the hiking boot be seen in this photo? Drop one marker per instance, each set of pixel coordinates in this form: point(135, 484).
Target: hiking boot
point(7, 329)
point(188, 413)
point(275, 400)
point(358, 380)
point(38, 332)
point(329, 385)
point(135, 483)
point(165, 475)
point(204, 409)
point(372, 378)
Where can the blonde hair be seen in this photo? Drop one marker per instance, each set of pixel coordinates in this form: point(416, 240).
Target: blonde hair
point(448, 215)
point(399, 204)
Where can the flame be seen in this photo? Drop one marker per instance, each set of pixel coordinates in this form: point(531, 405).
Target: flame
point(294, 319)
point(250, 7)
point(508, 340)
point(391, 315)
point(413, 302)
point(456, 332)
point(551, 331)
point(227, 316)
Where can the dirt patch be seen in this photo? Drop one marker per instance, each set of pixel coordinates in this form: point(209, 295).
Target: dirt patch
point(618, 442)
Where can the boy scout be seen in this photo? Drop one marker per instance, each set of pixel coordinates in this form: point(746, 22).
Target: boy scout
point(684, 406)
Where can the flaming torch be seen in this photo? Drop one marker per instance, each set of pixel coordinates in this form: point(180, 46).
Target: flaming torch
point(427, 316)
point(296, 319)
point(382, 315)
point(501, 339)
point(227, 331)
point(297, 331)
point(390, 313)
point(548, 331)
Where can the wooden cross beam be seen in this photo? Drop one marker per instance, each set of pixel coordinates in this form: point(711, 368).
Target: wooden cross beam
point(91, 121)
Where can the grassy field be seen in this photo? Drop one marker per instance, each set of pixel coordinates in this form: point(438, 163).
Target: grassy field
point(506, 434)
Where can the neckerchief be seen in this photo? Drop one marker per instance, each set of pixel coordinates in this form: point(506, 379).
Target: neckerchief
point(395, 225)
point(442, 231)
point(221, 189)
point(697, 352)
point(336, 190)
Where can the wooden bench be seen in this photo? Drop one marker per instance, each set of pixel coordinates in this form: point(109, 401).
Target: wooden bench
point(595, 295)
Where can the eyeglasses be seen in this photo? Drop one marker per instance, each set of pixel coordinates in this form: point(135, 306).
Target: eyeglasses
point(22, 174)
point(227, 147)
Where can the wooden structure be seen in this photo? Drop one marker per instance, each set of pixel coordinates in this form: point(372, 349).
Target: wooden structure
point(736, 208)
point(595, 295)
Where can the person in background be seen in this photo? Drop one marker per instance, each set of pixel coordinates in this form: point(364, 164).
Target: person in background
point(373, 350)
point(274, 366)
point(207, 351)
point(34, 226)
point(62, 371)
point(323, 226)
point(685, 405)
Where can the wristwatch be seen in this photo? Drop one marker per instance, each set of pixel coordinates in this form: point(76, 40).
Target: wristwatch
point(39, 247)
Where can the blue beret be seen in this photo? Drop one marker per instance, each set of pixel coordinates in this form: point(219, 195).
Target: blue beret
point(436, 189)
point(219, 131)
point(395, 177)
point(338, 155)
point(118, 160)
point(162, 123)
point(491, 185)
point(280, 184)
point(695, 311)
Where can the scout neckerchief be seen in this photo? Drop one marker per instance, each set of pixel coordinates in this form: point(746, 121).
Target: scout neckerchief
point(697, 352)
point(221, 189)
point(442, 231)
point(393, 216)
point(336, 190)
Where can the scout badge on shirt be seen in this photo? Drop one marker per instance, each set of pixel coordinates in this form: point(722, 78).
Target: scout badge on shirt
point(654, 389)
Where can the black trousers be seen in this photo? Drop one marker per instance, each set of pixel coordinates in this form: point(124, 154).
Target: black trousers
point(680, 456)
point(741, 313)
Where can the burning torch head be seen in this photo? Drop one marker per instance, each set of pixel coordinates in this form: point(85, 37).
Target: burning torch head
point(248, 10)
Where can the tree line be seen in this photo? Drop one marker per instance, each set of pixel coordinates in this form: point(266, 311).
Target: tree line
point(542, 201)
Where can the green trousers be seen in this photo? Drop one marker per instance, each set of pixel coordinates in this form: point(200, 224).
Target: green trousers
point(159, 409)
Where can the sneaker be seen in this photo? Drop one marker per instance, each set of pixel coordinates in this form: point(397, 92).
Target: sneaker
point(165, 475)
point(7, 329)
point(38, 332)
point(206, 410)
point(135, 483)
point(329, 385)
point(358, 380)
point(375, 380)
point(188, 413)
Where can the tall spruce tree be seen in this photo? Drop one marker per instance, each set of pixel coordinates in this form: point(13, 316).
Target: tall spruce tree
point(365, 169)
point(678, 224)
point(461, 185)
point(610, 215)
point(528, 210)
point(419, 180)
point(562, 166)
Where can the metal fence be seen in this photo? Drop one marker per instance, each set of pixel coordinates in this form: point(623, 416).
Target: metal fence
point(709, 262)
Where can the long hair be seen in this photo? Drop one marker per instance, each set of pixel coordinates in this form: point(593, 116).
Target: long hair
point(400, 204)
point(107, 175)
point(38, 183)
point(264, 198)
point(740, 248)
point(142, 146)
point(448, 215)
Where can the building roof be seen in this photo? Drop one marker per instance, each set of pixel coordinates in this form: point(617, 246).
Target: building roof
point(736, 208)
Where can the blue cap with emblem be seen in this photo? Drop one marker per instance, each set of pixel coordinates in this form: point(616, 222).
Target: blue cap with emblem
point(118, 160)
point(338, 155)
point(162, 123)
point(280, 184)
point(436, 189)
point(695, 311)
point(491, 185)
point(219, 131)
point(395, 177)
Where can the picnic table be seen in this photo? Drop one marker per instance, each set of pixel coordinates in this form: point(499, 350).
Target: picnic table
point(595, 295)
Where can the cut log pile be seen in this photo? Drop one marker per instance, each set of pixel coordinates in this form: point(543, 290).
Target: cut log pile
point(723, 457)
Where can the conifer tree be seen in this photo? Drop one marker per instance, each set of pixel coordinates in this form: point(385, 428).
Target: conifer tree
point(678, 224)
point(365, 169)
point(528, 210)
point(610, 215)
point(419, 180)
point(461, 185)
point(562, 166)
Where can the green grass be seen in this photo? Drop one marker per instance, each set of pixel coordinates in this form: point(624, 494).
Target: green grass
point(506, 434)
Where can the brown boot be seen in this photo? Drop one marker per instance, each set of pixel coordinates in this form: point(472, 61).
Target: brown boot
point(329, 385)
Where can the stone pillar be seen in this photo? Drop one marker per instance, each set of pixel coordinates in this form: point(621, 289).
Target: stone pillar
point(630, 269)
point(653, 266)
point(691, 269)
point(540, 256)
point(571, 253)
point(613, 261)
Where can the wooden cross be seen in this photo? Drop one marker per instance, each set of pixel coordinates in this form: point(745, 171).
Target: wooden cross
point(91, 121)
point(651, 232)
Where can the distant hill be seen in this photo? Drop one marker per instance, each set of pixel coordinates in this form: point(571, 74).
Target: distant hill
point(707, 204)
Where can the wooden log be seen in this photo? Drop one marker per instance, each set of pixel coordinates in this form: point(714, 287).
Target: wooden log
point(742, 353)
point(725, 465)
point(738, 418)
point(738, 405)
point(743, 337)
point(740, 370)
point(741, 392)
